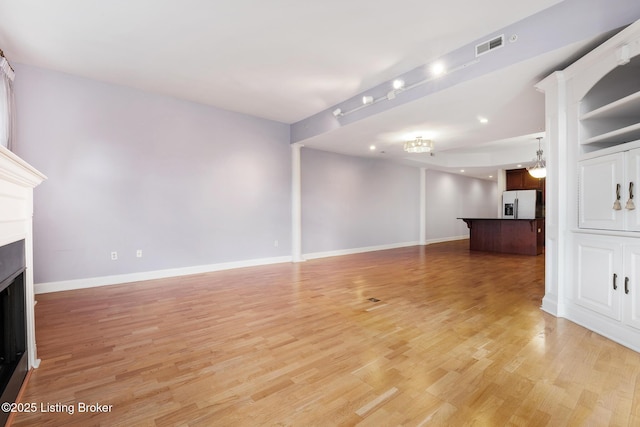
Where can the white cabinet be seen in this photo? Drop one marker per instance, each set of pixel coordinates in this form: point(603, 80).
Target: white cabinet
point(607, 188)
point(608, 278)
point(592, 265)
point(631, 286)
point(598, 266)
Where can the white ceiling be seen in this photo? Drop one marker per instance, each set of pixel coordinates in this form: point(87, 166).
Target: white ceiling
point(286, 60)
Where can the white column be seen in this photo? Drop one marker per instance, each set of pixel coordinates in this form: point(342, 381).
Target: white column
point(296, 205)
point(30, 299)
point(423, 206)
point(502, 186)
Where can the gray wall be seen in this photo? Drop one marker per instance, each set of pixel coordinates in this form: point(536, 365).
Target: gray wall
point(352, 202)
point(192, 185)
point(186, 183)
point(451, 196)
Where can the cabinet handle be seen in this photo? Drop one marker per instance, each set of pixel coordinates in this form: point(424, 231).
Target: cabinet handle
point(626, 285)
point(630, 205)
point(615, 278)
point(616, 204)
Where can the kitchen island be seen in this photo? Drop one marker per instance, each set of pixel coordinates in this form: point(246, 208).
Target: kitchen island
point(510, 236)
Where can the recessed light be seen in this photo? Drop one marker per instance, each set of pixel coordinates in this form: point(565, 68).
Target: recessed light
point(372, 147)
point(438, 69)
point(483, 120)
point(337, 112)
point(367, 100)
point(490, 176)
point(398, 84)
point(519, 166)
point(462, 170)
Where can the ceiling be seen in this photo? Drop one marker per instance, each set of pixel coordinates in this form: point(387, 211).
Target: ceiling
point(287, 60)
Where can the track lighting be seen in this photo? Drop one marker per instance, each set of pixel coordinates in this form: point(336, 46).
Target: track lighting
point(438, 69)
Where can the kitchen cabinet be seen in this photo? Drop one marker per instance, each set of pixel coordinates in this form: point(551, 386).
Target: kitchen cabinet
point(520, 179)
point(608, 278)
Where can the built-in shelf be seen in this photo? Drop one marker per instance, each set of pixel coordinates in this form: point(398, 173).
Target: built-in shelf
point(624, 107)
point(617, 136)
point(611, 109)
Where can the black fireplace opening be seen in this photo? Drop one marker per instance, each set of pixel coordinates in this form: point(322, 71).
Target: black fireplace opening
point(13, 326)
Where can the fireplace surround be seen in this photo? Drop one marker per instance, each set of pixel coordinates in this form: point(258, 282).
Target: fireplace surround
point(13, 325)
point(18, 352)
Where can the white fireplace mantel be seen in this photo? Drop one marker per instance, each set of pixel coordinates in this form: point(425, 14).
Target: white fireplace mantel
point(17, 181)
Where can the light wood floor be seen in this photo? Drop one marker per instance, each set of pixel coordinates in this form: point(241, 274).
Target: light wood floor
point(456, 339)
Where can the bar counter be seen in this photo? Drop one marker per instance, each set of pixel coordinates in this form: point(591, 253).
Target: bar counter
point(509, 236)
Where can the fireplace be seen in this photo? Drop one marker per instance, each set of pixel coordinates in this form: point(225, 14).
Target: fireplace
point(13, 325)
point(18, 352)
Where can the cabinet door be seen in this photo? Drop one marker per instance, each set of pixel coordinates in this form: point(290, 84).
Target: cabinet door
point(598, 273)
point(632, 290)
point(631, 187)
point(598, 181)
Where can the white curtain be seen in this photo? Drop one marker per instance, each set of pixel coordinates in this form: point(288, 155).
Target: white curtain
point(7, 105)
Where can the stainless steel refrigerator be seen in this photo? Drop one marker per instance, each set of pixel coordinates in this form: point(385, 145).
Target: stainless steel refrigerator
point(522, 204)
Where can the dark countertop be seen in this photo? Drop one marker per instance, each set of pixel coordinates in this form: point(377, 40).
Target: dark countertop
point(500, 219)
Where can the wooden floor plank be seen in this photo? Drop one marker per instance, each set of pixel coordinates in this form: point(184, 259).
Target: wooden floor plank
point(456, 338)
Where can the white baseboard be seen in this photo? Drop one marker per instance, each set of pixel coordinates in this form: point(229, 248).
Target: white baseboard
point(446, 239)
point(67, 285)
point(315, 255)
point(92, 282)
point(550, 306)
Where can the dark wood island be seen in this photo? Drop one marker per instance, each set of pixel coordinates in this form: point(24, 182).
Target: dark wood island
point(510, 236)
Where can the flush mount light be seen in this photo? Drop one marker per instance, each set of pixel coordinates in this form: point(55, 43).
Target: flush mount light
point(418, 145)
point(366, 100)
point(337, 112)
point(398, 84)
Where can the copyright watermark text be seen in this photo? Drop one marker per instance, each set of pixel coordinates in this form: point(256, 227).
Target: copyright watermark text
point(68, 408)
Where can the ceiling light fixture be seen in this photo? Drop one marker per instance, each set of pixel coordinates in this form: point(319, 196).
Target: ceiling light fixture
point(418, 145)
point(438, 69)
point(483, 120)
point(372, 147)
point(539, 169)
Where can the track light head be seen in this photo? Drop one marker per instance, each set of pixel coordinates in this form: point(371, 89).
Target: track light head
point(398, 84)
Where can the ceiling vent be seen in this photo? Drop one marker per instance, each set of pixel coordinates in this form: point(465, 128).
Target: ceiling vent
point(489, 45)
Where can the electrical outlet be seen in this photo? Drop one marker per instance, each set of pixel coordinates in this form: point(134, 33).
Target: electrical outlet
point(139, 253)
point(114, 255)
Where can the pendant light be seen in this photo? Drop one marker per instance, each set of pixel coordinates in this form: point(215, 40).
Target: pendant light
point(539, 169)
